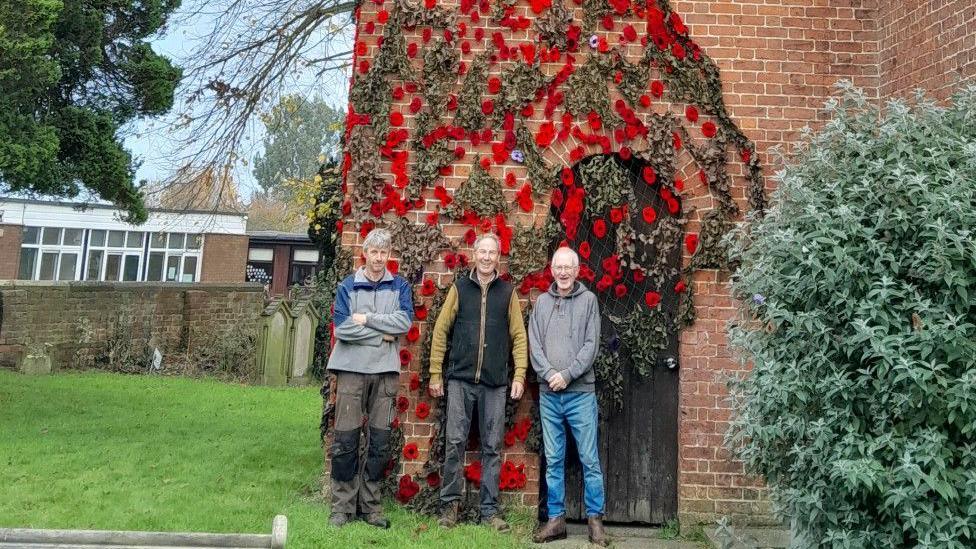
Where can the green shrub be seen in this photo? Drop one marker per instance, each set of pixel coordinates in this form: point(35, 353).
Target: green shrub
point(857, 295)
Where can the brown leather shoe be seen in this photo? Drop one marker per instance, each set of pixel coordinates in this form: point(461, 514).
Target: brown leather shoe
point(449, 514)
point(553, 529)
point(598, 536)
point(497, 523)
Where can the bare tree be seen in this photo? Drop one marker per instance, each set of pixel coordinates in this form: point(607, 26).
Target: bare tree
point(243, 56)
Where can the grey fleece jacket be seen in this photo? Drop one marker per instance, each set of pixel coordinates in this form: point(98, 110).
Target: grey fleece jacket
point(564, 337)
point(388, 306)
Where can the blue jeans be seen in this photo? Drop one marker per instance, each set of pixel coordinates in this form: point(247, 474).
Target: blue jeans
point(579, 410)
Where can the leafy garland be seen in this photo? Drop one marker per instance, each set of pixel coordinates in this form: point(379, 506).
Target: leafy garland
point(480, 193)
point(587, 91)
point(469, 115)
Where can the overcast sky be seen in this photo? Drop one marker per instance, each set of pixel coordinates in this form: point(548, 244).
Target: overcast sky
point(154, 147)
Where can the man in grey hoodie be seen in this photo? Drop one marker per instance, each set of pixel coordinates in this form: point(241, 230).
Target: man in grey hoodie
point(564, 336)
point(373, 308)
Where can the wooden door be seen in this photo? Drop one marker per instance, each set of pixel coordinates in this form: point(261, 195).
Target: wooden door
point(638, 443)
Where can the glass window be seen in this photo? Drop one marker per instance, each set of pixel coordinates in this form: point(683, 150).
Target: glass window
point(301, 272)
point(116, 239)
point(130, 268)
point(49, 263)
point(260, 254)
point(176, 241)
point(189, 269)
point(97, 238)
point(69, 262)
point(155, 266)
point(112, 267)
point(172, 268)
point(158, 240)
point(306, 256)
point(51, 236)
point(73, 237)
point(28, 259)
point(32, 235)
point(94, 271)
point(258, 272)
point(194, 241)
point(134, 239)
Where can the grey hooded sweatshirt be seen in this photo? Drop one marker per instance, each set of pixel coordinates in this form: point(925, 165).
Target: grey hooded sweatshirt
point(564, 337)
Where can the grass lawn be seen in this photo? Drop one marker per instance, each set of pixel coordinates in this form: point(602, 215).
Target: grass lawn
point(106, 451)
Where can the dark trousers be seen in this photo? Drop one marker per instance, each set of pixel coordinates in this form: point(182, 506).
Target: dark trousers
point(462, 397)
point(354, 480)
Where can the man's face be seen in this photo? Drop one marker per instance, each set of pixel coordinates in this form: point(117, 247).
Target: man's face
point(486, 256)
point(376, 260)
point(565, 271)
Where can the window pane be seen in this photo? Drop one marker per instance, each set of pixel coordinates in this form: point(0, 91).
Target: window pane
point(258, 272)
point(28, 258)
point(49, 261)
point(155, 266)
point(134, 240)
point(176, 241)
point(116, 239)
point(130, 271)
point(194, 241)
point(300, 272)
point(95, 264)
point(32, 235)
point(260, 254)
point(172, 268)
point(189, 269)
point(68, 264)
point(51, 236)
point(306, 256)
point(112, 267)
point(72, 237)
point(158, 240)
point(97, 238)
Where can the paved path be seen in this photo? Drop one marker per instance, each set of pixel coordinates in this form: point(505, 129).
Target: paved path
point(622, 537)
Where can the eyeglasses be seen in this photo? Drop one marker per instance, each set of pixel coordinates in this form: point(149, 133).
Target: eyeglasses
point(563, 268)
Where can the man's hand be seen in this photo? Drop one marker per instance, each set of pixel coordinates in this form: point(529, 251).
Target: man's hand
point(359, 318)
point(436, 390)
point(517, 389)
point(388, 337)
point(557, 382)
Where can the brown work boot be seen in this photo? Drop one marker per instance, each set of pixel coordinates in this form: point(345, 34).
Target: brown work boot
point(496, 522)
point(338, 520)
point(449, 514)
point(553, 529)
point(377, 520)
point(598, 536)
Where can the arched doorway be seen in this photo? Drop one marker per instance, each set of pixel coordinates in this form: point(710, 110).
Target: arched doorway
point(637, 367)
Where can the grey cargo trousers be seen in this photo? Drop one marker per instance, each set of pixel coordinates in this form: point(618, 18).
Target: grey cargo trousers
point(356, 482)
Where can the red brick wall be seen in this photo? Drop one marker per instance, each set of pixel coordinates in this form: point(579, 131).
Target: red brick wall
point(10, 241)
point(929, 45)
point(779, 61)
point(224, 258)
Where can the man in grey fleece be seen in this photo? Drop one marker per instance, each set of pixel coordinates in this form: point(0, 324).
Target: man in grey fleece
point(373, 308)
point(564, 337)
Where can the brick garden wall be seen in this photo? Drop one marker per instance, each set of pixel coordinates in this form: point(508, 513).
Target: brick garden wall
point(75, 317)
point(779, 61)
point(928, 45)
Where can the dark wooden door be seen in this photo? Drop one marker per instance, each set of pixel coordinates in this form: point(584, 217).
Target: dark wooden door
point(638, 443)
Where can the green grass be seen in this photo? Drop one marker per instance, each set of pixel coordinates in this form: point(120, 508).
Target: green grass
point(106, 451)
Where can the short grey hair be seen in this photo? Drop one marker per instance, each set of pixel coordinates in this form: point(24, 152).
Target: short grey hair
point(567, 251)
point(378, 239)
point(488, 236)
